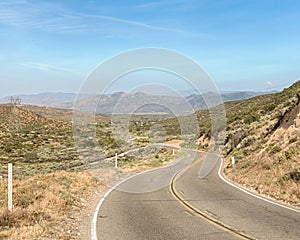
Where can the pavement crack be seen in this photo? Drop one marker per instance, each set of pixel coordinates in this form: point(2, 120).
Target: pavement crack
point(210, 213)
point(189, 213)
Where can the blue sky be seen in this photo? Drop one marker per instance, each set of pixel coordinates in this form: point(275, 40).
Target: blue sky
point(51, 46)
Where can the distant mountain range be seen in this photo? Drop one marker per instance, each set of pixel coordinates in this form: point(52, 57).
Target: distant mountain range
point(138, 102)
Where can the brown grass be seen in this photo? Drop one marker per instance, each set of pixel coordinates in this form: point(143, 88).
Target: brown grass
point(267, 149)
point(158, 159)
point(174, 143)
point(41, 202)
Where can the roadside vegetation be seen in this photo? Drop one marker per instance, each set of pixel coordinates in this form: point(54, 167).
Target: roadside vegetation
point(50, 176)
point(147, 158)
point(41, 202)
point(50, 172)
point(263, 135)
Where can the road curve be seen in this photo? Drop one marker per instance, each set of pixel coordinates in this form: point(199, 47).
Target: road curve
point(190, 207)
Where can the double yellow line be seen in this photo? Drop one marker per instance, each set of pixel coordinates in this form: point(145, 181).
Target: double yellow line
point(202, 215)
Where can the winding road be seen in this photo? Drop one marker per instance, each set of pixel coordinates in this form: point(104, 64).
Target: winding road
point(174, 203)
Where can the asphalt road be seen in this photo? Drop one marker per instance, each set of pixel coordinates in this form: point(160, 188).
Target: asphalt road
point(174, 203)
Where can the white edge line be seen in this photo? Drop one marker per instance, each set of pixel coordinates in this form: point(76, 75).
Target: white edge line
point(95, 216)
point(250, 193)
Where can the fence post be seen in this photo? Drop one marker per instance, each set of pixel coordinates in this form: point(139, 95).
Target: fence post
point(232, 161)
point(10, 205)
point(116, 161)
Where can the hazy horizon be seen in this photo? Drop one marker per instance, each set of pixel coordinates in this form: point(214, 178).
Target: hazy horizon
point(190, 92)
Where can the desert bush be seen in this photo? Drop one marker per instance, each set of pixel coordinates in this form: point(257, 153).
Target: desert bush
point(293, 175)
point(31, 156)
point(291, 152)
point(270, 107)
point(275, 150)
point(294, 139)
point(246, 164)
point(253, 117)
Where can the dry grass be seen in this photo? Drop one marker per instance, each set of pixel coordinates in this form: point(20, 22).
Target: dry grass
point(267, 150)
point(267, 179)
point(148, 160)
point(42, 201)
point(174, 143)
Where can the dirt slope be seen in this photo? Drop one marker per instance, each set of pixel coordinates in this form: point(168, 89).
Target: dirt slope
point(265, 142)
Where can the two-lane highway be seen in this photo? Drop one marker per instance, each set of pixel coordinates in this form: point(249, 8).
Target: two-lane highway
point(189, 207)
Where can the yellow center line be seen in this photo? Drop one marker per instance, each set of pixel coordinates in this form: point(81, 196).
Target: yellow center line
point(200, 214)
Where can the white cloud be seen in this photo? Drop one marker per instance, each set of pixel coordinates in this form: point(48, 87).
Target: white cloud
point(151, 4)
point(51, 17)
point(130, 22)
point(170, 4)
point(47, 67)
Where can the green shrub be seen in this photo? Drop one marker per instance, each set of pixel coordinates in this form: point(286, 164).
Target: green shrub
point(293, 175)
point(270, 107)
point(31, 156)
point(291, 152)
point(292, 140)
point(275, 150)
point(251, 118)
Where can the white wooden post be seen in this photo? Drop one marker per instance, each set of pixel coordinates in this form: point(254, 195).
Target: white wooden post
point(116, 161)
point(173, 151)
point(232, 161)
point(10, 187)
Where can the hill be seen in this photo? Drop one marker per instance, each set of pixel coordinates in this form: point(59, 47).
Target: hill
point(39, 140)
point(50, 184)
point(31, 139)
point(264, 137)
point(121, 102)
point(198, 102)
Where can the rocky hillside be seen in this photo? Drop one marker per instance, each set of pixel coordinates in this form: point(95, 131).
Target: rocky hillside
point(264, 137)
